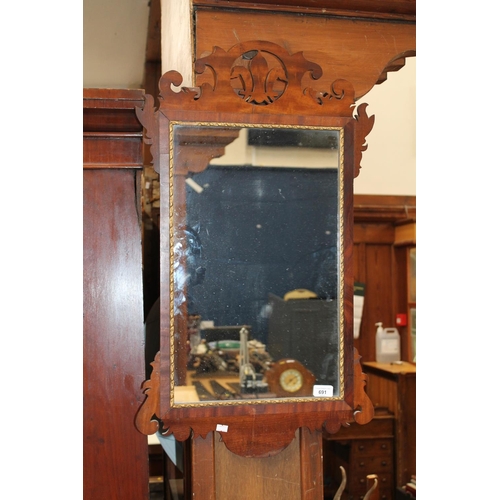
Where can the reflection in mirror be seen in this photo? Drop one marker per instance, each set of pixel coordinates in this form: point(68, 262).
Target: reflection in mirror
point(256, 263)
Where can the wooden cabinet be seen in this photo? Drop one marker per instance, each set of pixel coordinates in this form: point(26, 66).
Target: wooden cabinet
point(361, 450)
point(115, 459)
point(394, 386)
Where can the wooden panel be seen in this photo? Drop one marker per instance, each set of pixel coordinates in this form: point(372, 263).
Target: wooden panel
point(351, 49)
point(111, 110)
point(382, 426)
point(217, 473)
point(272, 477)
point(394, 386)
point(311, 464)
point(115, 453)
point(384, 208)
point(102, 150)
point(374, 267)
point(201, 483)
point(406, 430)
point(389, 10)
point(374, 233)
point(383, 9)
point(359, 268)
point(383, 392)
point(112, 134)
point(153, 42)
point(152, 68)
point(406, 234)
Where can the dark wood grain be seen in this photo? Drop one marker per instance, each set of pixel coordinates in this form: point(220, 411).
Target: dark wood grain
point(153, 42)
point(374, 9)
point(111, 110)
point(115, 454)
point(394, 387)
point(202, 475)
point(152, 69)
point(385, 208)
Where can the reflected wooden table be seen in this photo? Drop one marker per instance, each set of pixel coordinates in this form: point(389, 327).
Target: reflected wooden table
point(213, 387)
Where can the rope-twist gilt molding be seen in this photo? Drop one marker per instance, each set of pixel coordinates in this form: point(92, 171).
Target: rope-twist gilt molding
point(341, 262)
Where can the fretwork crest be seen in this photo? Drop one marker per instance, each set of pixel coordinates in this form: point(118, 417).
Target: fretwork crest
point(262, 75)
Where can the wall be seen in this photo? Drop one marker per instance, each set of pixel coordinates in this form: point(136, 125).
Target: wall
point(114, 43)
point(389, 164)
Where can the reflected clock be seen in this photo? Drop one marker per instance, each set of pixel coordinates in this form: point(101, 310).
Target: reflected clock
point(289, 377)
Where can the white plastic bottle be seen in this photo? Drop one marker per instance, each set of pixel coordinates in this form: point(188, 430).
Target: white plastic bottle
point(387, 347)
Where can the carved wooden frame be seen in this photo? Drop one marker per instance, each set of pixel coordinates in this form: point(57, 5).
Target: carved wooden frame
point(253, 83)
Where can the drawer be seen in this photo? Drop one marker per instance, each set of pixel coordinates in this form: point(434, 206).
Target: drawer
point(358, 493)
point(357, 488)
point(379, 427)
point(371, 465)
point(356, 484)
point(384, 494)
point(374, 447)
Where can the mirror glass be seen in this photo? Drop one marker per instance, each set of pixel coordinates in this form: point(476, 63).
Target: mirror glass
point(255, 252)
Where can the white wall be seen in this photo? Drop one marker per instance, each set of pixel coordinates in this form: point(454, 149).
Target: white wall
point(114, 43)
point(388, 165)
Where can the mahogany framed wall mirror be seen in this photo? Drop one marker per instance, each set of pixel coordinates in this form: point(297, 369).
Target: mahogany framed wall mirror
point(256, 177)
